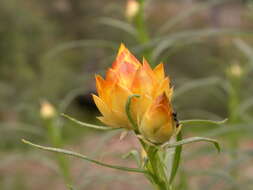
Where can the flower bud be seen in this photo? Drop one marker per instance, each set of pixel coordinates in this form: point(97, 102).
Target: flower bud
point(158, 124)
point(47, 111)
point(132, 9)
point(235, 70)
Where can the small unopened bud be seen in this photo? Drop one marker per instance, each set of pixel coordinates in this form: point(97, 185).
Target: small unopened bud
point(235, 70)
point(132, 9)
point(47, 111)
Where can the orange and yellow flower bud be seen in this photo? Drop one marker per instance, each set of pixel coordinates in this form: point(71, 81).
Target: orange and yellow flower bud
point(152, 111)
point(158, 124)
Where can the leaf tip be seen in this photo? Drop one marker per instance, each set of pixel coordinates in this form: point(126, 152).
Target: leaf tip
point(223, 121)
point(64, 115)
point(25, 141)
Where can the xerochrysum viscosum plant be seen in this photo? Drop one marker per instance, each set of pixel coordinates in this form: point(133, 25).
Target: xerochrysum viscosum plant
point(136, 98)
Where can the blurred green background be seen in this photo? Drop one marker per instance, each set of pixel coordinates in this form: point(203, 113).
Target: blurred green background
point(50, 51)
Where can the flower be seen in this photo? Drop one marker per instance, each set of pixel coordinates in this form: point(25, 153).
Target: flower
point(152, 111)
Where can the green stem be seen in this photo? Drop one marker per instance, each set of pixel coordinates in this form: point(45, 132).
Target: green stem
point(155, 167)
point(55, 138)
point(234, 117)
point(143, 35)
point(176, 159)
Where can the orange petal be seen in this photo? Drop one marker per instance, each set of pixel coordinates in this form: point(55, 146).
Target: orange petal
point(159, 72)
point(108, 121)
point(105, 121)
point(100, 84)
point(124, 55)
point(116, 120)
point(110, 117)
point(119, 96)
point(142, 82)
point(127, 72)
point(104, 88)
point(161, 87)
point(146, 66)
point(121, 119)
point(164, 133)
point(139, 106)
point(161, 110)
point(122, 48)
point(101, 105)
point(111, 76)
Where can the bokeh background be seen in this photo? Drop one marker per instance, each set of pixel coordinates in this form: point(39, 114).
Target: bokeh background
point(50, 51)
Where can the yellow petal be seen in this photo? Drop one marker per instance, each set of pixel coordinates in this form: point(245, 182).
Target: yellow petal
point(139, 107)
point(159, 72)
point(162, 87)
point(104, 88)
point(124, 55)
point(143, 82)
point(103, 108)
point(164, 133)
point(108, 121)
point(100, 85)
point(122, 48)
point(119, 96)
point(147, 67)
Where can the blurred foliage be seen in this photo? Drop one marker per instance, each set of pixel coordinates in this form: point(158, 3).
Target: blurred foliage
point(52, 49)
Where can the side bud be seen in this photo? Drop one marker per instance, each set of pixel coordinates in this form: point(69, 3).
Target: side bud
point(158, 124)
point(132, 8)
point(47, 111)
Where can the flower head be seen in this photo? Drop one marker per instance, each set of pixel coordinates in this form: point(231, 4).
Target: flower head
point(152, 111)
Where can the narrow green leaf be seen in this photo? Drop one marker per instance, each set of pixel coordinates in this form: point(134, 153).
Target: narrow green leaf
point(147, 142)
point(135, 155)
point(83, 124)
point(176, 159)
point(186, 14)
point(245, 106)
point(202, 121)
point(170, 40)
point(20, 127)
point(78, 155)
point(78, 44)
point(203, 82)
point(119, 24)
point(242, 129)
point(192, 140)
point(127, 109)
point(245, 48)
